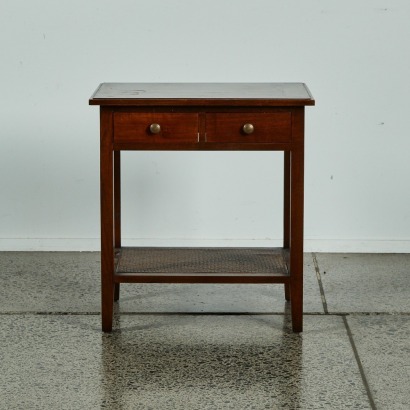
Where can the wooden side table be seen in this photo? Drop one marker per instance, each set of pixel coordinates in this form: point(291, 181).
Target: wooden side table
point(236, 117)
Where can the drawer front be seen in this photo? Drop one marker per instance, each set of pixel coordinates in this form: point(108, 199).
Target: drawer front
point(249, 127)
point(155, 127)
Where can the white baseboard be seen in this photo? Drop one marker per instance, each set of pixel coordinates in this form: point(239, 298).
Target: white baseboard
point(311, 245)
point(357, 245)
point(49, 244)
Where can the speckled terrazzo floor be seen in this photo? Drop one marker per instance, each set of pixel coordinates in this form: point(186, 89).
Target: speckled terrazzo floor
point(204, 346)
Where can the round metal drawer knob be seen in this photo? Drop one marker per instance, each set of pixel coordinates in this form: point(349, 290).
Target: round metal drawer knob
point(248, 128)
point(155, 128)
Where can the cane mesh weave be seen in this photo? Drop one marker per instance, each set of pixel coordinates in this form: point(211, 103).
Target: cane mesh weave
point(201, 260)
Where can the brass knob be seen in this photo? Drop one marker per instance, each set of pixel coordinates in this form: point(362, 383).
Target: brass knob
point(155, 128)
point(248, 128)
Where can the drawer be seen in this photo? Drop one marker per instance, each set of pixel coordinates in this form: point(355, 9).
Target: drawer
point(155, 127)
point(249, 127)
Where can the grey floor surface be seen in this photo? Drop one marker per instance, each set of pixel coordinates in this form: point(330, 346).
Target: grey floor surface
point(204, 346)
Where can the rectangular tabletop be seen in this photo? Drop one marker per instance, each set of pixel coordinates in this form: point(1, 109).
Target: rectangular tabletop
point(203, 94)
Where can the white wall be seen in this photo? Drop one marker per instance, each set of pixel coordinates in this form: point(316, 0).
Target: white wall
point(354, 56)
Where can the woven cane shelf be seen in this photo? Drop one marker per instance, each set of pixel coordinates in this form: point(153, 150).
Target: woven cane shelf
point(201, 265)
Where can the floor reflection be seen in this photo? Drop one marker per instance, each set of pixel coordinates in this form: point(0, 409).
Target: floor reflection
point(201, 361)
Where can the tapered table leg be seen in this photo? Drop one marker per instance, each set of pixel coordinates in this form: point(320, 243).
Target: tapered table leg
point(296, 221)
point(107, 220)
point(117, 211)
point(286, 210)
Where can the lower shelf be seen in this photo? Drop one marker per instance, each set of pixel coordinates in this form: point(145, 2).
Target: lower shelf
point(201, 265)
